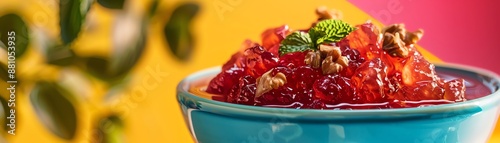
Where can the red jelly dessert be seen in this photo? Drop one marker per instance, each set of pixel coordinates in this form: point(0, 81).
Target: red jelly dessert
point(333, 65)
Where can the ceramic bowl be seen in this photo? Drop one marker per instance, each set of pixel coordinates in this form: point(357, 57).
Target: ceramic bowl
point(471, 121)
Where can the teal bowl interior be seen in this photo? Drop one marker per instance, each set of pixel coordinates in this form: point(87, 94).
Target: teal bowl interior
point(212, 121)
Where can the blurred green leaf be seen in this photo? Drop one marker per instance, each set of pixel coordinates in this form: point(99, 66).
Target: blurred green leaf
point(110, 130)
point(129, 41)
point(4, 74)
point(97, 66)
point(55, 109)
point(128, 44)
point(61, 55)
point(4, 111)
point(153, 8)
point(112, 4)
point(11, 25)
point(2, 45)
point(72, 16)
point(178, 32)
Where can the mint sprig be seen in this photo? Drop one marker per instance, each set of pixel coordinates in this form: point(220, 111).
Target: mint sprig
point(329, 31)
point(326, 31)
point(297, 41)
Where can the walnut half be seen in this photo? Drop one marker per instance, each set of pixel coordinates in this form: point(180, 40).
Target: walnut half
point(396, 39)
point(313, 58)
point(329, 67)
point(324, 13)
point(327, 50)
point(394, 45)
point(328, 57)
point(266, 82)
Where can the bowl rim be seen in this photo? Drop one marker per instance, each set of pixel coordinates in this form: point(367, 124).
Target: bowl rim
point(224, 108)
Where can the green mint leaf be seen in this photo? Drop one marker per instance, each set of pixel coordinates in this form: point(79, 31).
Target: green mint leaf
point(330, 31)
point(297, 41)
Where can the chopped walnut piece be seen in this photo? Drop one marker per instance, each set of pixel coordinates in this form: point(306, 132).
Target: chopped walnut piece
point(395, 28)
point(327, 50)
point(329, 67)
point(324, 13)
point(313, 58)
point(396, 38)
point(266, 82)
point(413, 37)
point(333, 61)
point(343, 61)
point(394, 45)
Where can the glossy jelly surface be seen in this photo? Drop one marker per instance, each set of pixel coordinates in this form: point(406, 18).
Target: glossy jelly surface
point(372, 78)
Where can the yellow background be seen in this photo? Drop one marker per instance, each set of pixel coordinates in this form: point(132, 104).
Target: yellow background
point(156, 117)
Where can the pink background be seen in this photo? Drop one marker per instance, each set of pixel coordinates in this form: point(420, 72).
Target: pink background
point(464, 32)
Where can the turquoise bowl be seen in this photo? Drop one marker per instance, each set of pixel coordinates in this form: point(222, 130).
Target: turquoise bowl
point(472, 121)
